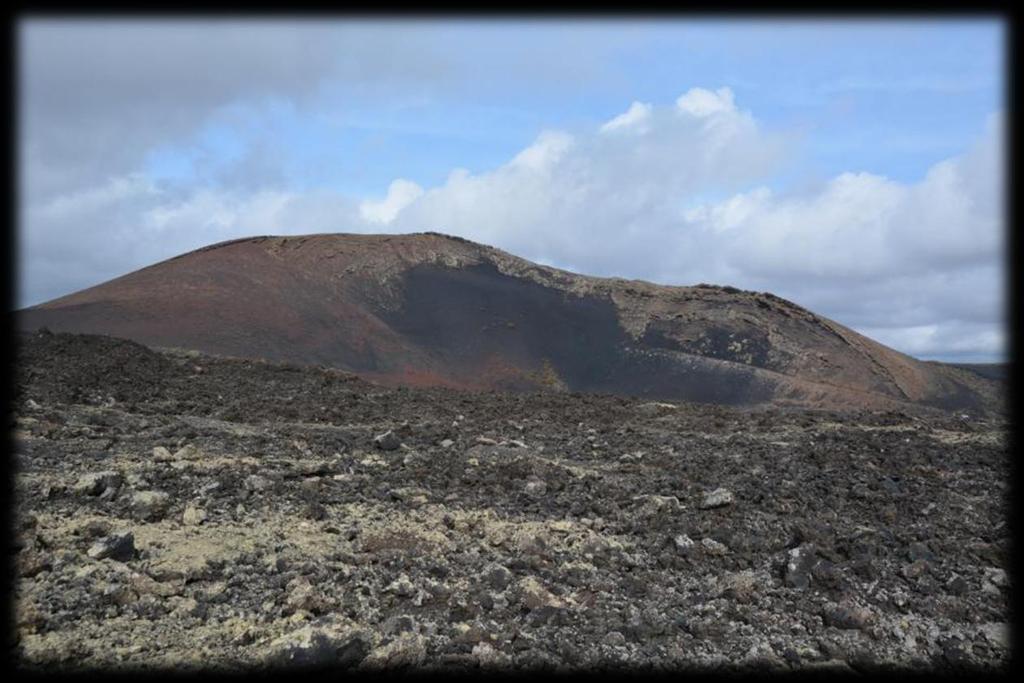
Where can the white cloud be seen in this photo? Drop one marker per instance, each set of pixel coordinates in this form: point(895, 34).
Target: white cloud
point(601, 201)
point(730, 214)
point(949, 339)
point(401, 193)
point(701, 103)
point(860, 225)
point(633, 118)
point(547, 150)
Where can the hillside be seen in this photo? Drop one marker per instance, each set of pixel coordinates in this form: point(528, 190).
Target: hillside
point(432, 310)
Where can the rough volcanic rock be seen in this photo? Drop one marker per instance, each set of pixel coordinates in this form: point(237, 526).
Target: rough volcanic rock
point(119, 546)
point(150, 505)
point(858, 540)
point(95, 483)
point(716, 499)
point(329, 646)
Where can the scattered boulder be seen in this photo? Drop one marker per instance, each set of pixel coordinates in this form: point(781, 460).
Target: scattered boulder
point(119, 546)
point(535, 488)
point(150, 506)
point(713, 547)
point(303, 596)
point(144, 584)
point(487, 657)
point(334, 646)
point(798, 566)
point(465, 633)
point(996, 633)
point(497, 577)
point(684, 545)
point(996, 577)
point(534, 596)
point(848, 616)
point(401, 587)
point(740, 586)
point(209, 489)
point(914, 569)
point(920, 551)
point(31, 562)
point(957, 585)
point(93, 528)
point(415, 497)
point(97, 482)
point(655, 408)
point(407, 650)
point(654, 506)
point(388, 441)
point(314, 511)
point(193, 515)
point(256, 483)
point(188, 452)
point(400, 623)
point(614, 639)
point(720, 497)
point(826, 573)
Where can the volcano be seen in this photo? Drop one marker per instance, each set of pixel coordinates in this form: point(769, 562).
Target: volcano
point(428, 309)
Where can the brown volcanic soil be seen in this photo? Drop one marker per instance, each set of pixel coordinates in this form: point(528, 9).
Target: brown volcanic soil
point(509, 531)
point(432, 310)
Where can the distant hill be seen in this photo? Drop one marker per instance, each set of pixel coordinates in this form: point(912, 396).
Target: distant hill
point(995, 371)
point(428, 309)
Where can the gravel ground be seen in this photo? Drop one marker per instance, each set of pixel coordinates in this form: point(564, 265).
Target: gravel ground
point(180, 511)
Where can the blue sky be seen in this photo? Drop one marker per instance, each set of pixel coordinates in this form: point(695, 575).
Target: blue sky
point(166, 136)
point(892, 98)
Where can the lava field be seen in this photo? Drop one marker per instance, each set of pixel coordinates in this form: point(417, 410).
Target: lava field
point(180, 511)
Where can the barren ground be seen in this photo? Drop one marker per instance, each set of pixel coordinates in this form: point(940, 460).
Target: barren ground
point(269, 526)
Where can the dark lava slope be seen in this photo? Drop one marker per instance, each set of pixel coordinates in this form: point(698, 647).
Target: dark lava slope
point(429, 310)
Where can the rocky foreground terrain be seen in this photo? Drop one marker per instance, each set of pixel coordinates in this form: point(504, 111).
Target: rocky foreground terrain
point(178, 510)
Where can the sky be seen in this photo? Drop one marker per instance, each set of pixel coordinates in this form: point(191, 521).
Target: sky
point(856, 168)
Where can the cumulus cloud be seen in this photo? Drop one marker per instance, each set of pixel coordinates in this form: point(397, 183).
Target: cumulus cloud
point(702, 103)
point(864, 226)
point(401, 193)
point(599, 200)
point(953, 340)
point(633, 118)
